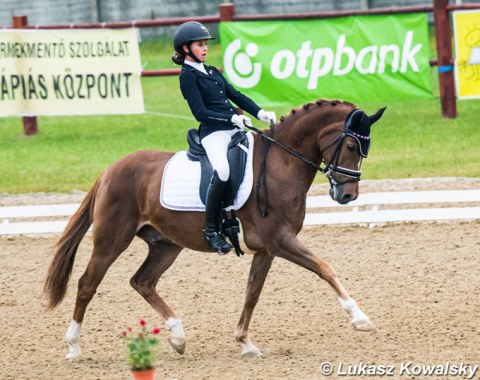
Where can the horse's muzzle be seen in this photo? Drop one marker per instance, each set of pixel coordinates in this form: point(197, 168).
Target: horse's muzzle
point(341, 195)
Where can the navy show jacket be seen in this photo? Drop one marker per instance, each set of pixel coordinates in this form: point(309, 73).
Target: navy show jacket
point(209, 99)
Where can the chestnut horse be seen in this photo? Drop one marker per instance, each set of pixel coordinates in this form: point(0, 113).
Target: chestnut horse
point(124, 203)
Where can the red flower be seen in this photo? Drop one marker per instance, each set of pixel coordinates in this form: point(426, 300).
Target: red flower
point(156, 330)
point(142, 322)
point(124, 333)
point(129, 329)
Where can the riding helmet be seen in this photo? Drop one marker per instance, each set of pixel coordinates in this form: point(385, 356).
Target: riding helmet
point(188, 32)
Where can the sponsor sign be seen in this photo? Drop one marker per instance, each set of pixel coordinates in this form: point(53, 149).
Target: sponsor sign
point(70, 72)
point(352, 58)
point(466, 27)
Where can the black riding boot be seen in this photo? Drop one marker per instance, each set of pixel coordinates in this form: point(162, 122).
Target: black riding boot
point(212, 233)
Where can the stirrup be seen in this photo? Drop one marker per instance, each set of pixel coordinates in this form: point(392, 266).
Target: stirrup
point(217, 243)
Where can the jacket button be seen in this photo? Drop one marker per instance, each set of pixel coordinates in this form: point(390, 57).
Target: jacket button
point(226, 101)
point(221, 92)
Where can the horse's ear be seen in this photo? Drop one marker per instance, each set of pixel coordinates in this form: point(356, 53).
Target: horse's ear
point(374, 118)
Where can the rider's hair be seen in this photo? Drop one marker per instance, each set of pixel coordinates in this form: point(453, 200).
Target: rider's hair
point(178, 58)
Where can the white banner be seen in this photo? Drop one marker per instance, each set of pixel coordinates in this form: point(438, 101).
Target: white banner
point(70, 72)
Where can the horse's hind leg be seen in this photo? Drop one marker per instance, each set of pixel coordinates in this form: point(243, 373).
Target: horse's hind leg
point(261, 264)
point(161, 255)
point(108, 242)
point(293, 250)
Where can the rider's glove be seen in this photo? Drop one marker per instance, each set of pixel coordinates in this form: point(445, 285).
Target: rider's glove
point(241, 121)
point(267, 117)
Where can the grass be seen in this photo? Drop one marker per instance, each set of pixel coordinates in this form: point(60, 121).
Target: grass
point(411, 140)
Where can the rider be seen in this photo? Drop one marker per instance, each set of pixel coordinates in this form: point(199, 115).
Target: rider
point(208, 94)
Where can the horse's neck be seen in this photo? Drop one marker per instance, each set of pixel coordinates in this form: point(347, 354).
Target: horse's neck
point(300, 129)
point(301, 132)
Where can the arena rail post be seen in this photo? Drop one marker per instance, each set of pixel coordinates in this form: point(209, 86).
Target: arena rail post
point(446, 79)
point(30, 124)
point(226, 11)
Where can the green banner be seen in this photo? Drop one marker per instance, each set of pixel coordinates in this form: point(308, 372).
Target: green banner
point(360, 58)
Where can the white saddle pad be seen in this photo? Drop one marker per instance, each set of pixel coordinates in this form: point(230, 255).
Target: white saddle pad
point(181, 183)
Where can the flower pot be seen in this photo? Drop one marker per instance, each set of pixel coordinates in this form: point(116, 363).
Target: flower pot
point(146, 374)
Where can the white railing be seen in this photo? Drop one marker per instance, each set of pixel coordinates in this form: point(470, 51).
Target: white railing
point(370, 208)
point(16, 220)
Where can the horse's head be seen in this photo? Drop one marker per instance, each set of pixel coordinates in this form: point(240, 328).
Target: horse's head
point(343, 154)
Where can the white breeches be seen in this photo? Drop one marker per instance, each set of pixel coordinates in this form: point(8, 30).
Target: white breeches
point(216, 146)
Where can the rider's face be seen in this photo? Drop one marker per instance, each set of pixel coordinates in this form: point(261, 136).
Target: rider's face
point(199, 49)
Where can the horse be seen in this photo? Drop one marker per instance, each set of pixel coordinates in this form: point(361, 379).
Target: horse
point(124, 203)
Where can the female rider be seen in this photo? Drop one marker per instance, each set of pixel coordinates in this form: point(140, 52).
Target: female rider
point(208, 95)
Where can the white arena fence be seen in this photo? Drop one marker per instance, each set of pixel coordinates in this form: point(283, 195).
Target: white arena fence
point(370, 209)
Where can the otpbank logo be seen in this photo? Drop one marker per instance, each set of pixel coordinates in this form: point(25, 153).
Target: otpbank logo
point(239, 66)
point(244, 62)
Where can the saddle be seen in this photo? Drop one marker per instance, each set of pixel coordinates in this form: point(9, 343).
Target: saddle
point(237, 159)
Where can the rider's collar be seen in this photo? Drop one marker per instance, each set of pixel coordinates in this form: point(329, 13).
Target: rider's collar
point(196, 65)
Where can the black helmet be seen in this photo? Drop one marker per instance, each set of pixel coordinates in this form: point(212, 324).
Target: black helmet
point(190, 31)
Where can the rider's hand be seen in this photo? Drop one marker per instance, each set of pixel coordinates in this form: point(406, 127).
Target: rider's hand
point(241, 121)
point(267, 117)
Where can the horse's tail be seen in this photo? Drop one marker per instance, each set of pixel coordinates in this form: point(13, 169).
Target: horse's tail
point(65, 250)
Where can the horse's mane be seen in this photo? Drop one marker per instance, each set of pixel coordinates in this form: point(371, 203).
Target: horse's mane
point(318, 103)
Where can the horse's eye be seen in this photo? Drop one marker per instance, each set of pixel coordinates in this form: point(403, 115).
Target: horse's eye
point(351, 147)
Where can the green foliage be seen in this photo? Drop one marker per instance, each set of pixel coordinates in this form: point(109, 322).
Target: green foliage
point(141, 347)
point(411, 140)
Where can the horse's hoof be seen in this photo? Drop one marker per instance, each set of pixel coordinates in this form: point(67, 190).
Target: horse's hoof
point(73, 355)
point(178, 344)
point(252, 354)
point(363, 325)
point(74, 351)
point(249, 350)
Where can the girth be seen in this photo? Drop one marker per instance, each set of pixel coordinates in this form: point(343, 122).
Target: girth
point(237, 159)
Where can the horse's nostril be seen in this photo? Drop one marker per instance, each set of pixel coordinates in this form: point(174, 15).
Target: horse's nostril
point(346, 198)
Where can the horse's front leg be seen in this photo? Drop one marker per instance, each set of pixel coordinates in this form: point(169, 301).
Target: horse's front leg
point(261, 264)
point(291, 249)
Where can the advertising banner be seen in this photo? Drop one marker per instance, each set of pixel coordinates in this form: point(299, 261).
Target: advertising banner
point(359, 58)
point(466, 28)
point(70, 72)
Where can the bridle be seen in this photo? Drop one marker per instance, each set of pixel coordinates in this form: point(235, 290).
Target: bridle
point(330, 168)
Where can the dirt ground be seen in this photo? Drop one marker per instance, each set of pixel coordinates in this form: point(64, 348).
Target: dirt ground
point(418, 282)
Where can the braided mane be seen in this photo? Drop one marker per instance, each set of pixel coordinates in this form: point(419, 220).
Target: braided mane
point(317, 103)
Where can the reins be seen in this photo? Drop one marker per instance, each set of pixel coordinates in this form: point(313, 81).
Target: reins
point(328, 167)
point(328, 170)
point(287, 149)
